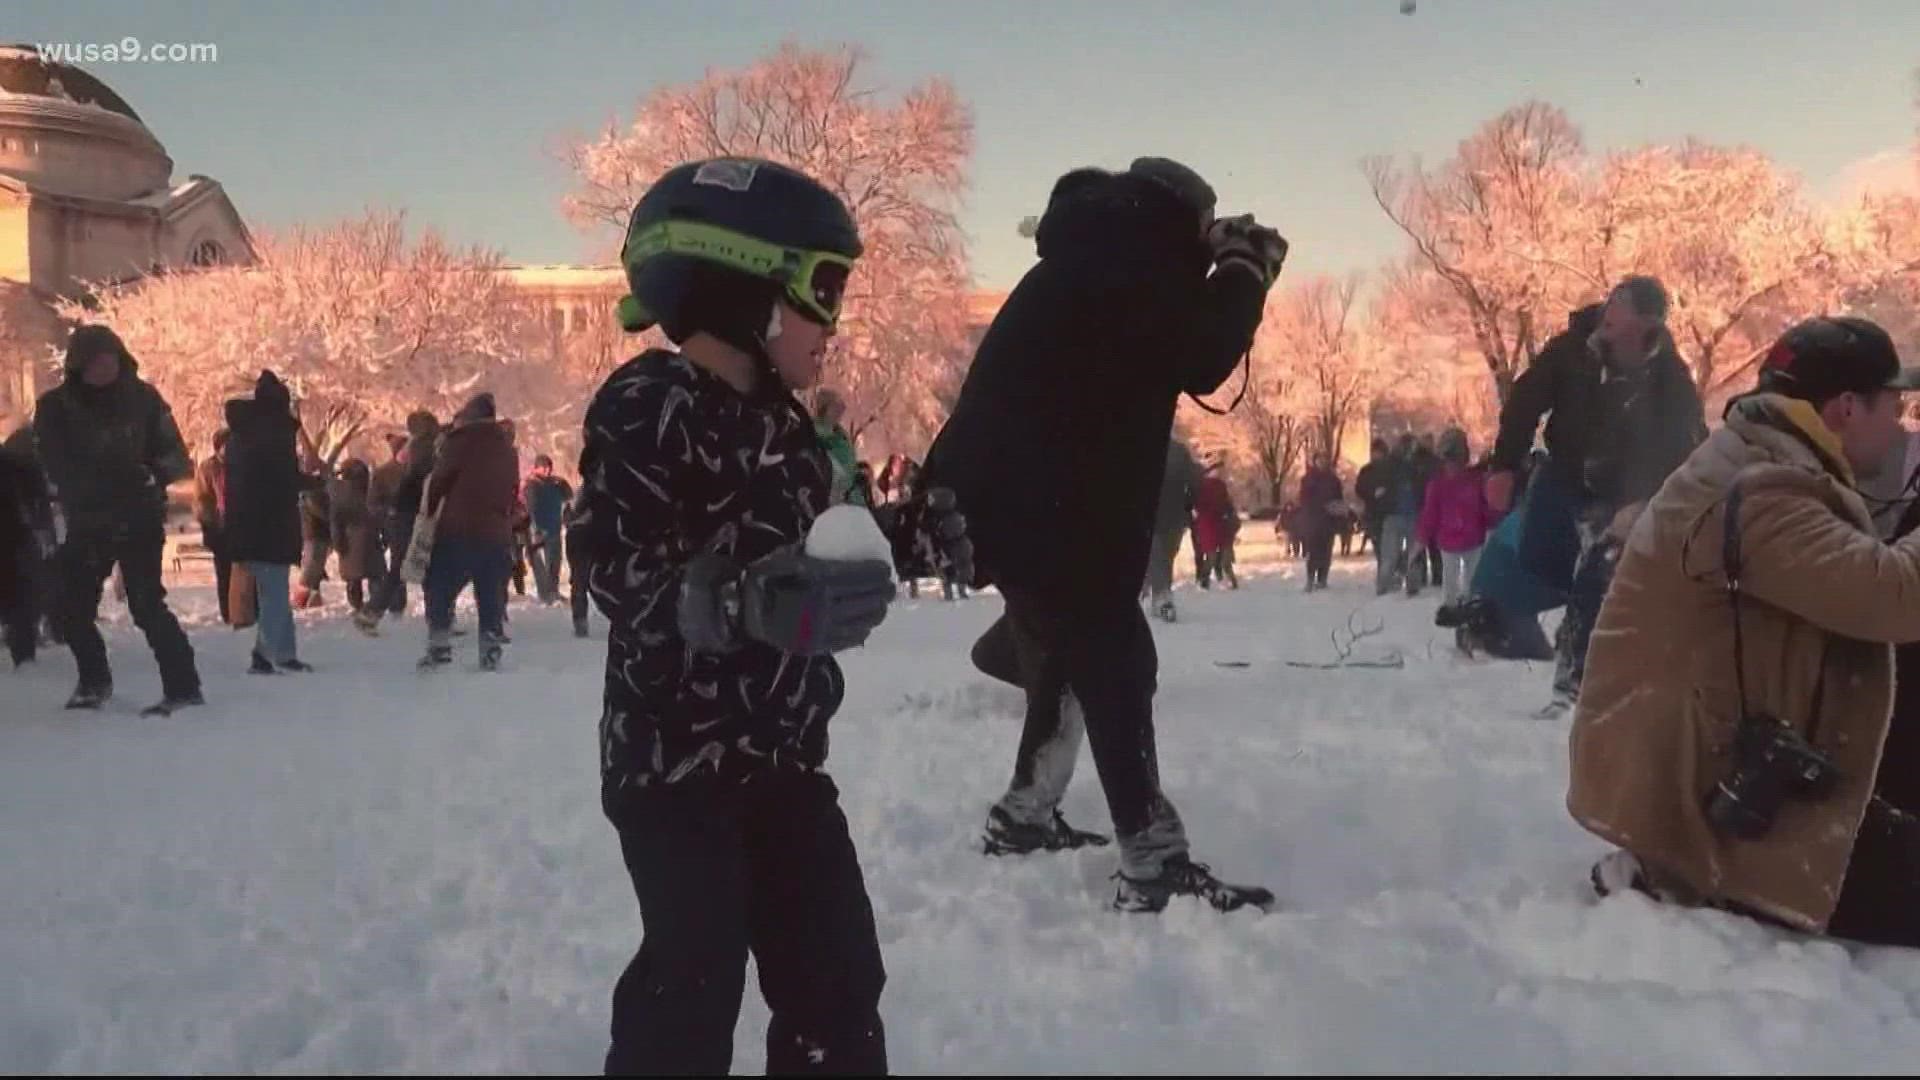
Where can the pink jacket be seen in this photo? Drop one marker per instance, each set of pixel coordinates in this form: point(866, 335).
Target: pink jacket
point(1456, 516)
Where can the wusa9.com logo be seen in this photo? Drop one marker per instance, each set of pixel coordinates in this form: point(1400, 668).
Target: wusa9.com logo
point(131, 50)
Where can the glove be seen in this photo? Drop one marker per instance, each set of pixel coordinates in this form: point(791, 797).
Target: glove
point(793, 602)
point(929, 535)
point(1243, 242)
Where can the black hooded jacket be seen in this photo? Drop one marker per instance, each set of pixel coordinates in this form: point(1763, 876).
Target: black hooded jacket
point(1616, 436)
point(264, 480)
point(1058, 442)
point(109, 452)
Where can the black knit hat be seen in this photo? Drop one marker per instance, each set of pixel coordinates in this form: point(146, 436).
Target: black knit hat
point(1186, 185)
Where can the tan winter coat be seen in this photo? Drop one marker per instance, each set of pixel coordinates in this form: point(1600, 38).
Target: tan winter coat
point(1823, 599)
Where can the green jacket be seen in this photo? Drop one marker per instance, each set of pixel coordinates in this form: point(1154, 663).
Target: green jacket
point(845, 462)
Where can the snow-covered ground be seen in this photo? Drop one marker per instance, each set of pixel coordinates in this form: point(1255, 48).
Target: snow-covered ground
point(367, 869)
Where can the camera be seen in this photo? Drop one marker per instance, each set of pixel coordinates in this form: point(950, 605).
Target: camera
point(1771, 764)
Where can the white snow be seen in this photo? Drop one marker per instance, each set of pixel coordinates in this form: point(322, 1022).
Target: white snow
point(849, 534)
point(367, 869)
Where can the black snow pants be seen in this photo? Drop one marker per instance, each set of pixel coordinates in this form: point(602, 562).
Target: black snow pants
point(723, 870)
point(1089, 669)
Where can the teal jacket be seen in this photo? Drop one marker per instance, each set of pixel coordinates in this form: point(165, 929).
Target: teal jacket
point(845, 462)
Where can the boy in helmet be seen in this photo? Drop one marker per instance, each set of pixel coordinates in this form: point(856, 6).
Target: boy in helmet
point(702, 475)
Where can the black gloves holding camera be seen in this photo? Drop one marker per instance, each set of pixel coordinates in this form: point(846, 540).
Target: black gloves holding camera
point(1245, 242)
point(813, 607)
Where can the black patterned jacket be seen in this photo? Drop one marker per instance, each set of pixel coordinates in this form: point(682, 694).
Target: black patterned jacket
point(676, 463)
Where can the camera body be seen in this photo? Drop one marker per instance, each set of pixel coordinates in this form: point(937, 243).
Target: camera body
point(1771, 764)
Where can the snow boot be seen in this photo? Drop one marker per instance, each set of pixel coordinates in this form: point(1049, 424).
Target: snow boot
point(90, 697)
point(438, 656)
point(579, 628)
point(1005, 836)
point(1181, 876)
point(1166, 611)
point(490, 649)
point(296, 665)
point(367, 622)
point(172, 703)
point(261, 665)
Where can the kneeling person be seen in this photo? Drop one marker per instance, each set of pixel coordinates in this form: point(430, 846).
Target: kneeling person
point(1740, 687)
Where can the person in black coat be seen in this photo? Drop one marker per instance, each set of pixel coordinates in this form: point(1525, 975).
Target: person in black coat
point(263, 527)
point(1057, 447)
point(26, 551)
point(1622, 414)
point(109, 446)
point(420, 455)
point(1320, 499)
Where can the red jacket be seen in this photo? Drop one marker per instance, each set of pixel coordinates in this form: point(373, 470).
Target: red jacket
point(1215, 519)
point(1456, 516)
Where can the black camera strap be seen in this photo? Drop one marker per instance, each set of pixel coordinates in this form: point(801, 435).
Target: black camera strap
point(1730, 561)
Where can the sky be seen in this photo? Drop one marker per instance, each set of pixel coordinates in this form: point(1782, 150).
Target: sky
point(456, 111)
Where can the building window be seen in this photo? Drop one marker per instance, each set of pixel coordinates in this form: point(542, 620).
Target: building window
point(206, 253)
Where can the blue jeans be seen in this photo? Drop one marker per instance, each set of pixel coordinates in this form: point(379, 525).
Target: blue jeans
point(273, 632)
point(457, 562)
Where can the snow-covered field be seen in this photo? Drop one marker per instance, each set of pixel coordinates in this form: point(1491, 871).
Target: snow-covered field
point(367, 869)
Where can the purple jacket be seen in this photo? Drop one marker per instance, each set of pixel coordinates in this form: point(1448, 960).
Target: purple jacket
point(1456, 516)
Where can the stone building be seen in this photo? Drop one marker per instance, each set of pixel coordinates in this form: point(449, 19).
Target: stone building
point(87, 196)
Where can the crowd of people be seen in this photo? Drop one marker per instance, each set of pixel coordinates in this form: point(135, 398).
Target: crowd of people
point(1737, 606)
point(86, 484)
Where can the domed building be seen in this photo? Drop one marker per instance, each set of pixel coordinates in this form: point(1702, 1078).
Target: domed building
point(87, 197)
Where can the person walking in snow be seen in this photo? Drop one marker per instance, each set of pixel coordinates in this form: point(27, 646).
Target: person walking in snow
point(1057, 448)
point(210, 510)
point(109, 446)
point(1455, 519)
point(316, 542)
point(382, 490)
point(1321, 494)
point(1373, 485)
point(420, 455)
point(1215, 521)
point(579, 562)
point(701, 478)
point(1173, 515)
point(263, 528)
point(546, 497)
point(474, 489)
point(356, 533)
point(30, 552)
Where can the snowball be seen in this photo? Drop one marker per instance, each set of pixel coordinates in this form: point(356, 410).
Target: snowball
point(849, 533)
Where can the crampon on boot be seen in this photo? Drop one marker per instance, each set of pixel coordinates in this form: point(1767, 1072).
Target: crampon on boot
point(1182, 876)
point(1005, 836)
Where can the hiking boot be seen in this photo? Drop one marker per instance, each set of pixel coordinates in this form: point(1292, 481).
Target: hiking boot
point(1005, 836)
point(1181, 876)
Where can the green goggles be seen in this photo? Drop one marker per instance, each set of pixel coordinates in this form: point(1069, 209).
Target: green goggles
point(815, 281)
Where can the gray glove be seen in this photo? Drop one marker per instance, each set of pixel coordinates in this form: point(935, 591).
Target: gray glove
point(793, 602)
point(1244, 242)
